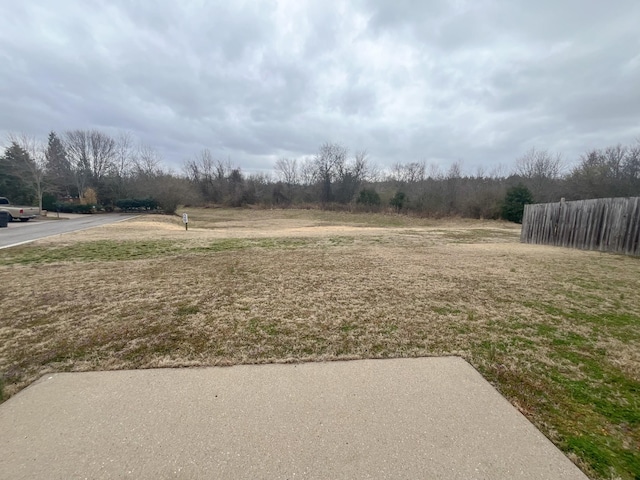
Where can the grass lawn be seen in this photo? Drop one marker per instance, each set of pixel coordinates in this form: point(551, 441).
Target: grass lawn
point(557, 331)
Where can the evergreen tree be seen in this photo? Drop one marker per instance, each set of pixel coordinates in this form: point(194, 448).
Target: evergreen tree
point(368, 197)
point(14, 176)
point(514, 201)
point(58, 166)
point(398, 201)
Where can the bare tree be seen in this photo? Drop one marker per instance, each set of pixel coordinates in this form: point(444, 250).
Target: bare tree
point(540, 171)
point(147, 161)
point(307, 171)
point(329, 160)
point(287, 169)
point(289, 174)
point(589, 179)
point(223, 169)
point(350, 176)
point(361, 169)
point(409, 172)
point(435, 173)
point(124, 156)
point(615, 158)
point(455, 170)
point(375, 173)
point(210, 175)
point(102, 149)
point(34, 162)
point(121, 170)
point(76, 143)
point(197, 172)
point(610, 172)
point(453, 186)
point(190, 170)
point(481, 172)
point(497, 172)
point(631, 167)
point(539, 164)
point(92, 155)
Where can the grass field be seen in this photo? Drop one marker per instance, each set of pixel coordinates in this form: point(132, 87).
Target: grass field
point(557, 331)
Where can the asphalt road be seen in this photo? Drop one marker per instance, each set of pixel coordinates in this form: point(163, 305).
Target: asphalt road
point(23, 232)
point(432, 418)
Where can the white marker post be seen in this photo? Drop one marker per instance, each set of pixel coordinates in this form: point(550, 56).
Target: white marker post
point(185, 220)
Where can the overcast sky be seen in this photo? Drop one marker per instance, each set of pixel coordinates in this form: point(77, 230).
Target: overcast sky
point(478, 81)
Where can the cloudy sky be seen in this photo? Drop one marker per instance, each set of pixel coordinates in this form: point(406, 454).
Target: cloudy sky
point(480, 81)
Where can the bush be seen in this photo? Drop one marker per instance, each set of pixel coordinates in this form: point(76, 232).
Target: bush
point(90, 197)
point(136, 204)
point(169, 204)
point(514, 201)
point(398, 201)
point(74, 208)
point(49, 201)
point(369, 197)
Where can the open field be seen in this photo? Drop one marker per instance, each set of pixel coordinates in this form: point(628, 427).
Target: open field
point(557, 331)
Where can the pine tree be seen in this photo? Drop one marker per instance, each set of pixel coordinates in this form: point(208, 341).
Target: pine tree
point(514, 201)
point(14, 176)
point(59, 172)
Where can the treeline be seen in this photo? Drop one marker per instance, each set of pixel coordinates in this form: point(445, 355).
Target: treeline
point(92, 167)
point(334, 178)
point(88, 167)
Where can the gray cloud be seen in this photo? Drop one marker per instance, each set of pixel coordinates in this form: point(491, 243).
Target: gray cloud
point(478, 81)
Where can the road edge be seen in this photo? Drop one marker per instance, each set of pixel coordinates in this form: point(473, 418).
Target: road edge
point(65, 233)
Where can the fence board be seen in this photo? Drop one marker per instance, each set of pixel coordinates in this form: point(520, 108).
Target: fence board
point(605, 224)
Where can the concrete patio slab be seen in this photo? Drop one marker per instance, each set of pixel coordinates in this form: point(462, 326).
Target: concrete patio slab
point(402, 418)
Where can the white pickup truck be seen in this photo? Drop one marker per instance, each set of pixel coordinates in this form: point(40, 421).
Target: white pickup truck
point(24, 214)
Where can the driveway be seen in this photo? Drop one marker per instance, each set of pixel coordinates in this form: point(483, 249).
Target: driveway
point(434, 418)
point(18, 233)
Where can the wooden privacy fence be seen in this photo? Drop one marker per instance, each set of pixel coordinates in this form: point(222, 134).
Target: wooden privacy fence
point(605, 224)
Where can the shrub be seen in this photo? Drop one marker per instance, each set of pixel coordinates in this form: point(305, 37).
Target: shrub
point(49, 201)
point(74, 208)
point(514, 201)
point(398, 201)
point(137, 204)
point(369, 197)
point(90, 197)
point(85, 208)
point(169, 204)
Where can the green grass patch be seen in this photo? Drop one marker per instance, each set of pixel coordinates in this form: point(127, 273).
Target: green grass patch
point(605, 455)
point(242, 244)
point(596, 417)
point(101, 250)
point(113, 250)
point(593, 405)
point(348, 327)
point(258, 326)
point(476, 235)
point(546, 330)
point(340, 241)
point(622, 325)
point(186, 310)
point(447, 310)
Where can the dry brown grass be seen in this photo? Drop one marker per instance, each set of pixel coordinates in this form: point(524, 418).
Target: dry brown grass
point(350, 286)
